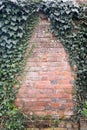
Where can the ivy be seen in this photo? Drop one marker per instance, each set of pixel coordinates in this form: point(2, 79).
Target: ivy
point(17, 21)
point(69, 24)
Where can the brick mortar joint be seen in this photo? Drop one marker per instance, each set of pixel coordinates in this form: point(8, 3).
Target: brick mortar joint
point(42, 47)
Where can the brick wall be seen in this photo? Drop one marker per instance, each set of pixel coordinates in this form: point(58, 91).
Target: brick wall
point(47, 85)
point(80, 1)
point(83, 124)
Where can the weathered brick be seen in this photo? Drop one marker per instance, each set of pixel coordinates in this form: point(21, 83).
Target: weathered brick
point(60, 128)
point(83, 124)
point(80, 1)
point(46, 88)
point(75, 125)
point(62, 124)
point(69, 125)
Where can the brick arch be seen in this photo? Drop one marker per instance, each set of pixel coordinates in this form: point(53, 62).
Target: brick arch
point(47, 85)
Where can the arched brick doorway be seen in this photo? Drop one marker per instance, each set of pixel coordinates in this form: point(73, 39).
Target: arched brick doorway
point(47, 86)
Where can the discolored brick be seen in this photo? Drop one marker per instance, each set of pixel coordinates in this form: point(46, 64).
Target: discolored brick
point(47, 84)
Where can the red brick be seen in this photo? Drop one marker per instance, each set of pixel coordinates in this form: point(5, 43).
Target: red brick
point(68, 105)
point(44, 78)
point(54, 105)
point(46, 88)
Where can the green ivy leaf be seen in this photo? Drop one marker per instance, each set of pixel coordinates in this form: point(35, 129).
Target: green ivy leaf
point(9, 46)
point(14, 18)
point(20, 35)
point(4, 29)
point(24, 17)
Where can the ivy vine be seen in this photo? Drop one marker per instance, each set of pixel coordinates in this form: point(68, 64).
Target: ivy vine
point(17, 19)
point(69, 24)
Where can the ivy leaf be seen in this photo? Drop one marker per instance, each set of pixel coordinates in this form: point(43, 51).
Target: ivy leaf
point(3, 44)
point(1, 24)
point(11, 33)
point(9, 41)
point(1, 83)
point(21, 27)
point(8, 10)
point(56, 13)
point(9, 46)
point(4, 56)
point(13, 23)
point(6, 21)
point(24, 17)
point(4, 29)
point(0, 114)
point(1, 7)
point(4, 15)
point(14, 42)
point(15, 28)
point(14, 18)
point(20, 35)
point(19, 19)
point(75, 10)
point(1, 2)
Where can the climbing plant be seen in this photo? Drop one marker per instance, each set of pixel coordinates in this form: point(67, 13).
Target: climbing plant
point(69, 24)
point(17, 19)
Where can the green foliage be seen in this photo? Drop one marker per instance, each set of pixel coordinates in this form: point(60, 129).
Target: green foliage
point(69, 24)
point(16, 22)
point(40, 121)
point(84, 110)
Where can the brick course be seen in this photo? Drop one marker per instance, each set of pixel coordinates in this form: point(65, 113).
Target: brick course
point(80, 1)
point(47, 86)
